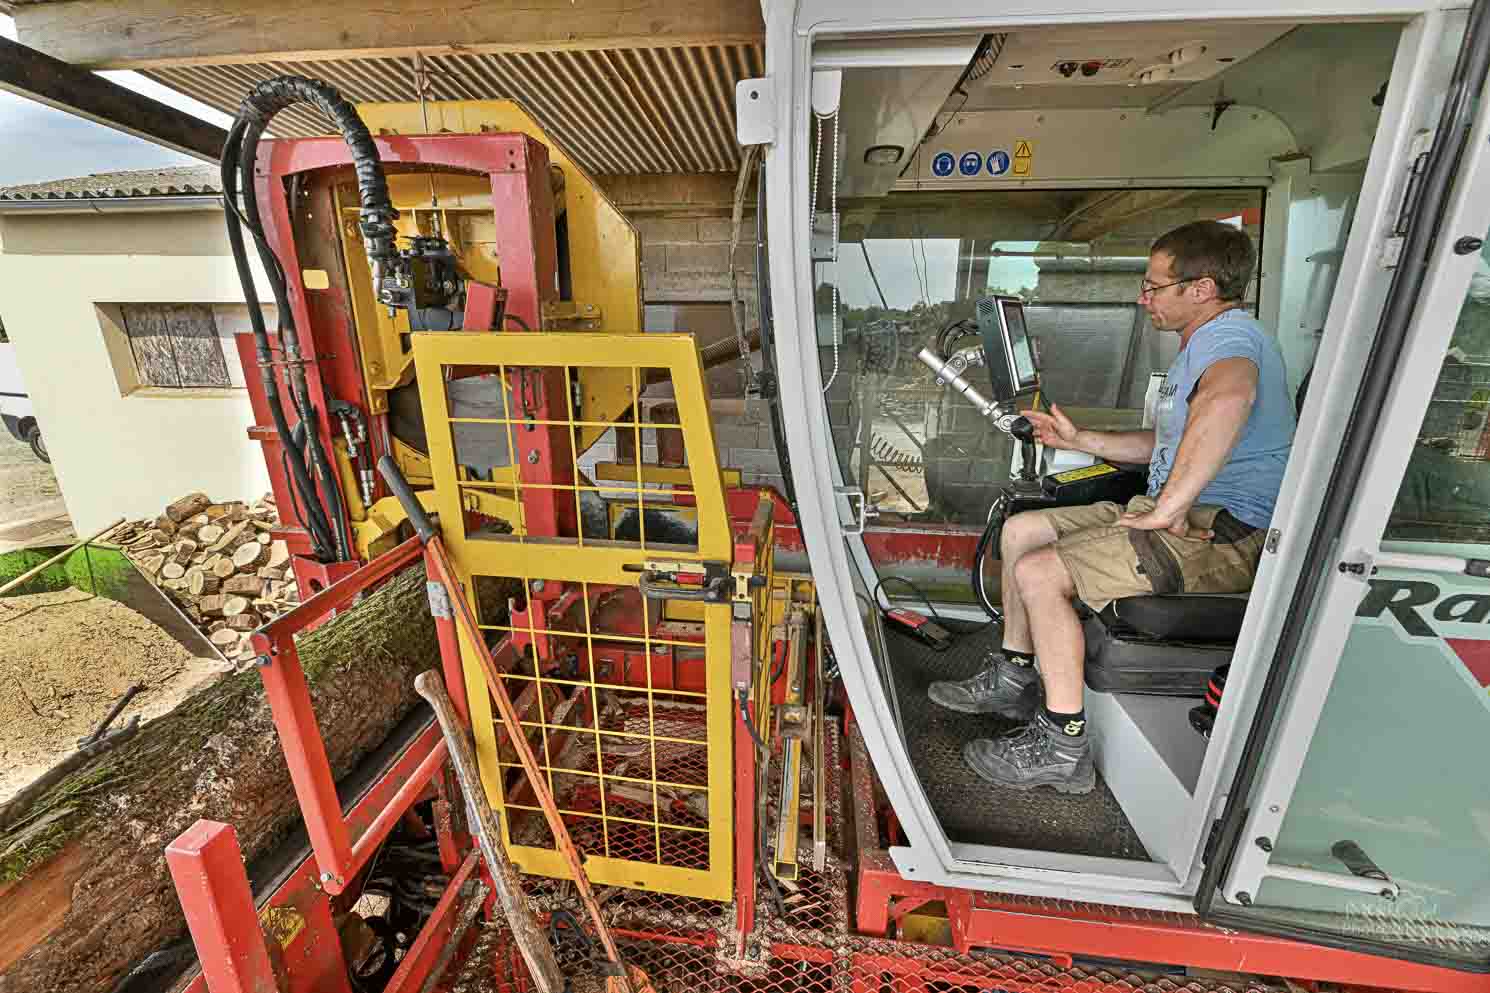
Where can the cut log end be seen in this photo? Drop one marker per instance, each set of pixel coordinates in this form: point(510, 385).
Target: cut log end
point(249, 556)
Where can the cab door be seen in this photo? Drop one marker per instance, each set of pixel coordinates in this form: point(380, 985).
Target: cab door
point(1359, 815)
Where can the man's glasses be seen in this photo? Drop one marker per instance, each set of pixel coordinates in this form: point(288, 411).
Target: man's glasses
point(1149, 289)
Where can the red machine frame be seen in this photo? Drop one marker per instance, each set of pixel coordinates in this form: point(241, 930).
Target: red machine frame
point(291, 944)
point(522, 201)
point(229, 931)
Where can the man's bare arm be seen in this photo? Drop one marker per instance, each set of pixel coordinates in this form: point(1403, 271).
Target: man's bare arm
point(1218, 412)
point(1117, 446)
point(1055, 430)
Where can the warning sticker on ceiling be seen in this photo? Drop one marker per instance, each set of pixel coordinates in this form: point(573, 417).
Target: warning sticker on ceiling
point(1024, 157)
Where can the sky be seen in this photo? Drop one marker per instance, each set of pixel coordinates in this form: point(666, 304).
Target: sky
point(911, 270)
point(41, 143)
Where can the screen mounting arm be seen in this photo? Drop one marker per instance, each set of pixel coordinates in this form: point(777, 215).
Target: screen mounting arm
point(949, 374)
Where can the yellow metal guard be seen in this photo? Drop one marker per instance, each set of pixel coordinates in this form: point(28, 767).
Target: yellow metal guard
point(627, 705)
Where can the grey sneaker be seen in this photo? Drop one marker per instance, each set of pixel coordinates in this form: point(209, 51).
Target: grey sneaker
point(1002, 687)
point(1038, 754)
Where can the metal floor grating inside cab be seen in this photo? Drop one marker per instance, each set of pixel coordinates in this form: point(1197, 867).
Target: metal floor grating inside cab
point(971, 810)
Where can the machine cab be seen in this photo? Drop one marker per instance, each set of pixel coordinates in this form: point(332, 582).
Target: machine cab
point(960, 204)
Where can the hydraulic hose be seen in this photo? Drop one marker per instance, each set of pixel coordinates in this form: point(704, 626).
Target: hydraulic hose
point(328, 532)
point(988, 539)
point(299, 478)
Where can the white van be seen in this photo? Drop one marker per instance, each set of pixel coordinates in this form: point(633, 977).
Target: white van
point(15, 405)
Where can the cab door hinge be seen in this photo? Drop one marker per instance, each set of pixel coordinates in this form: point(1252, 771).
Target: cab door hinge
point(1412, 193)
point(1211, 840)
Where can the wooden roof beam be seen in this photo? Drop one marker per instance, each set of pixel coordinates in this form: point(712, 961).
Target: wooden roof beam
point(149, 34)
point(40, 77)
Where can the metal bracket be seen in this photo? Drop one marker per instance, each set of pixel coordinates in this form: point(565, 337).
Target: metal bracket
point(745, 585)
point(571, 314)
point(825, 236)
point(755, 111)
point(1274, 537)
point(859, 519)
point(439, 600)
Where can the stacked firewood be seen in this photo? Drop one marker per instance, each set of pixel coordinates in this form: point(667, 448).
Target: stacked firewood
point(219, 563)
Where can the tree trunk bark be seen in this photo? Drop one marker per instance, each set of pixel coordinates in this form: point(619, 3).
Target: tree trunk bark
point(87, 895)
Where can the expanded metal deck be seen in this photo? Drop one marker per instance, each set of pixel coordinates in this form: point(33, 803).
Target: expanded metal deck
point(683, 943)
point(971, 810)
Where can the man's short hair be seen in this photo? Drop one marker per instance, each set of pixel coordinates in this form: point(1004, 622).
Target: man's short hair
point(1210, 248)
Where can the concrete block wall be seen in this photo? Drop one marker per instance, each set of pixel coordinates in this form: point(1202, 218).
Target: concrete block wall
point(685, 226)
point(742, 436)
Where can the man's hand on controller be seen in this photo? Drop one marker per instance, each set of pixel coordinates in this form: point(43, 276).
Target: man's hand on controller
point(1176, 522)
point(1053, 430)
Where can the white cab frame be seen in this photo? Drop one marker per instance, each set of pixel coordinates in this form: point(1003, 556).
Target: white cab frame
point(840, 563)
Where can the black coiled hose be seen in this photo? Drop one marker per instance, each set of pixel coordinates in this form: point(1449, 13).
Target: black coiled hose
point(328, 531)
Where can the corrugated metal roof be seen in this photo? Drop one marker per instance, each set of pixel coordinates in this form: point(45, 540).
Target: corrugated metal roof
point(664, 109)
point(173, 181)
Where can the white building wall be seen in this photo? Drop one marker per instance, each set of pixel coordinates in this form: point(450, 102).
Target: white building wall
point(124, 455)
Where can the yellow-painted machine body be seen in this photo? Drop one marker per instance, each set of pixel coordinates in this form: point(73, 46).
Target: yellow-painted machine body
point(603, 261)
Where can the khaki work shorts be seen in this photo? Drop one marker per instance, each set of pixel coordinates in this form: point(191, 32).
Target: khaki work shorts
point(1108, 561)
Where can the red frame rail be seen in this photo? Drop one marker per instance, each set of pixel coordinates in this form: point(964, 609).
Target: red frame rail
point(291, 943)
point(339, 857)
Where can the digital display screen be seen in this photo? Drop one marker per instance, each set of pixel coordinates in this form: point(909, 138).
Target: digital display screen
point(1019, 343)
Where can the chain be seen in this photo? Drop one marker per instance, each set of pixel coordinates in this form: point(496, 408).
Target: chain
point(822, 120)
point(423, 86)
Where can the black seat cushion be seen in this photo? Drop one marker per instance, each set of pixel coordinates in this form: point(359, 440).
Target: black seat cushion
point(1202, 618)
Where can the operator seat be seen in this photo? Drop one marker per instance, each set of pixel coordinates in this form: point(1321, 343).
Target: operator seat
point(1161, 645)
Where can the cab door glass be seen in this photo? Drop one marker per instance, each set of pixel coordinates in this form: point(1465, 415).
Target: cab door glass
point(1445, 495)
point(1395, 773)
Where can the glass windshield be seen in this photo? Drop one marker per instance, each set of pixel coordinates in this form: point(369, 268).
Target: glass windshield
point(911, 265)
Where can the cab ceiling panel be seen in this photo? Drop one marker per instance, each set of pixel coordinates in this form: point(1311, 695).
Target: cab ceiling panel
point(1119, 54)
point(664, 109)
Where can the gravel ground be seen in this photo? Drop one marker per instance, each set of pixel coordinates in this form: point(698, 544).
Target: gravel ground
point(28, 491)
point(65, 657)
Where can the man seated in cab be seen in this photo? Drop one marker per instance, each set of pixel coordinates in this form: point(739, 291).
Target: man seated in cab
point(1216, 457)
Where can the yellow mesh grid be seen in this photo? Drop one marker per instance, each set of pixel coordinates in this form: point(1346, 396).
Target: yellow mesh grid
point(625, 701)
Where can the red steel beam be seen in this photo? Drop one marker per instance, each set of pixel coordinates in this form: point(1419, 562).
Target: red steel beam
point(207, 867)
point(426, 950)
point(300, 734)
point(412, 789)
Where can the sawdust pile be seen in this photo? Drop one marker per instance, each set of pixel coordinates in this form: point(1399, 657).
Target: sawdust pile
point(65, 659)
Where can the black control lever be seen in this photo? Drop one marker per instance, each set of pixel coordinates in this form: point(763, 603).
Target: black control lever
point(1024, 432)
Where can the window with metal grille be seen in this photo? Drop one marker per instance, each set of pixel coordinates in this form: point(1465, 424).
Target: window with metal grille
point(175, 345)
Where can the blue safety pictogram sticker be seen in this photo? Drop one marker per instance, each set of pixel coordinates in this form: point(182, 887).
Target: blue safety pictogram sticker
point(970, 164)
point(998, 162)
point(943, 164)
